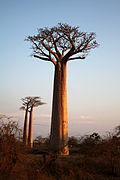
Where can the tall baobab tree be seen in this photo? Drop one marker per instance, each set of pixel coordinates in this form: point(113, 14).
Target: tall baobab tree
point(35, 102)
point(59, 45)
point(25, 106)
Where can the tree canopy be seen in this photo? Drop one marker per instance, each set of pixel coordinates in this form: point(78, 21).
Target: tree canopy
point(62, 43)
point(31, 101)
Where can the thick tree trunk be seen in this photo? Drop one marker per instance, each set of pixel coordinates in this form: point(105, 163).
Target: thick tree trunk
point(30, 132)
point(25, 131)
point(59, 122)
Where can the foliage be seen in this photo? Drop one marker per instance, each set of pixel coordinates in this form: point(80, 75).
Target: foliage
point(73, 141)
point(40, 140)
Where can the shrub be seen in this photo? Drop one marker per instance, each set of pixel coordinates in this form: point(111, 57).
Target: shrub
point(10, 146)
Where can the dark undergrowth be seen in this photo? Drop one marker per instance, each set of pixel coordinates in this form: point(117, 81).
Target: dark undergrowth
point(91, 158)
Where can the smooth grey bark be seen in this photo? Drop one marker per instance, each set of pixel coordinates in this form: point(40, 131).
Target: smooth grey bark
point(59, 121)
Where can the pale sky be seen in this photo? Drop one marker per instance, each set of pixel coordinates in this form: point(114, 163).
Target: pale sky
point(93, 84)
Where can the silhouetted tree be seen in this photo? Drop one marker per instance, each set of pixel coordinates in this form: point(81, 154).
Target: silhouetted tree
point(59, 45)
point(35, 102)
point(73, 141)
point(117, 130)
point(25, 106)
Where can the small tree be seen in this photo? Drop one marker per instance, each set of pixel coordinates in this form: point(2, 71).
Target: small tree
point(117, 130)
point(59, 45)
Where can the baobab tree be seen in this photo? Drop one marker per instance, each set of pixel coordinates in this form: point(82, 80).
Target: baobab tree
point(35, 102)
point(25, 106)
point(59, 45)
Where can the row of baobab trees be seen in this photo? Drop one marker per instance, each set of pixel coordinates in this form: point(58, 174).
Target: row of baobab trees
point(59, 45)
point(28, 105)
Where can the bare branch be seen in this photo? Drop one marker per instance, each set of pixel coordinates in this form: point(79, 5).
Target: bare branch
point(48, 48)
point(31, 101)
point(38, 48)
point(78, 57)
point(61, 42)
point(70, 53)
point(45, 59)
point(54, 42)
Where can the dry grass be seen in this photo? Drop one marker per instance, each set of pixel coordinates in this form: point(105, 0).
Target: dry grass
point(91, 159)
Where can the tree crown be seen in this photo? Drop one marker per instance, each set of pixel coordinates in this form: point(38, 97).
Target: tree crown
point(62, 43)
point(31, 101)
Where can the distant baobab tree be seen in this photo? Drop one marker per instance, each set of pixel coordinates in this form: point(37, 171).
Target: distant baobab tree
point(27, 105)
point(35, 102)
point(59, 45)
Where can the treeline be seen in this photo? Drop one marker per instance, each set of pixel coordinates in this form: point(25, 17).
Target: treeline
point(92, 144)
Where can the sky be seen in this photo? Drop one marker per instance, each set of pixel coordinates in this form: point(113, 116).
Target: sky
point(93, 84)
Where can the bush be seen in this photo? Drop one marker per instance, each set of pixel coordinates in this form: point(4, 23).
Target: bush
point(93, 158)
point(10, 146)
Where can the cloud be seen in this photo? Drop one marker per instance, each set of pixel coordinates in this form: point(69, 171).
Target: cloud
point(85, 117)
point(83, 120)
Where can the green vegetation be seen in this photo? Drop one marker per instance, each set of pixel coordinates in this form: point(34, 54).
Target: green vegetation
point(91, 157)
